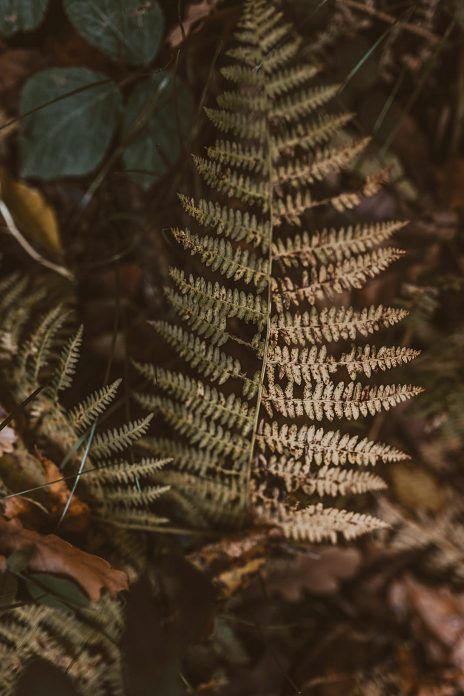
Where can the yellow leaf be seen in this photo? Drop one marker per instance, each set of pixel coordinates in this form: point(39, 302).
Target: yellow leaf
point(34, 217)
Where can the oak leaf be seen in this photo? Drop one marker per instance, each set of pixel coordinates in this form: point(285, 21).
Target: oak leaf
point(54, 555)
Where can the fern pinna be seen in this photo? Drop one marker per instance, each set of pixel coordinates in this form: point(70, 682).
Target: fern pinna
point(263, 336)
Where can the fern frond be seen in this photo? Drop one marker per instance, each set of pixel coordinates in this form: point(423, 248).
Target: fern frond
point(67, 363)
point(84, 414)
point(37, 349)
point(208, 360)
point(308, 445)
point(233, 153)
point(258, 295)
point(237, 303)
point(127, 472)
point(327, 481)
point(315, 364)
point(334, 324)
point(229, 222)
point(338, 400)
point(234, 184)
point(296, 106)
point(323, 247)
point(201, 398)
point(315, 524)
point(221, 256)
point(119, 439)
point(324, 162)
point(334, 279)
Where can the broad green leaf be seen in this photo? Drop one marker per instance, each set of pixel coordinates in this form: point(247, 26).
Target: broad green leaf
point(21, 15)
point(157, 121)
point(129, 31)
point(56, 592)
point(42, 678)
point(70, 136)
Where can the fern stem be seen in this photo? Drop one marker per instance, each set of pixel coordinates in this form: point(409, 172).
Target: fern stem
point(265, 352)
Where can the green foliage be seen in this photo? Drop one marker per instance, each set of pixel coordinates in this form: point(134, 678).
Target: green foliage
point(56, 592)
point(156, 123)
point(247, 444)
point(70, 136)
point(20, 15)
point(128, 32)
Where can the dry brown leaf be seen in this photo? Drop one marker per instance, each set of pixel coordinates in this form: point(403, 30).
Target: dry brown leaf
point(233, 561)
point(78, 513)
point(195, 12)
point(318, 573)
point(54, 555)
point(34, 217)
point(48, 509)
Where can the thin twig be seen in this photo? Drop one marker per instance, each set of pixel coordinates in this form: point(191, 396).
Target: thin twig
point(390, 19)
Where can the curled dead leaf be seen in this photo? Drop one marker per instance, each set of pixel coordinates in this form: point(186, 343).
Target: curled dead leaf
point(78, 514)
point(54, 555)
point(194, 13)
point(34, 217)
point(234, 560)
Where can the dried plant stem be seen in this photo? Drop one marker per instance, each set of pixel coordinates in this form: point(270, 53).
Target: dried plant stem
point(390, 19)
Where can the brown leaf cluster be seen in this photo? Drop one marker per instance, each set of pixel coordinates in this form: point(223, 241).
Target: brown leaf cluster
point(54, 555)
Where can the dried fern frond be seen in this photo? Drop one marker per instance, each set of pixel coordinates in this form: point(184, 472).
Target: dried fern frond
point(257, 321)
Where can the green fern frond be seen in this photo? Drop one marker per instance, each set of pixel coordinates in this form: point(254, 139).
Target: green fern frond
point(84, 414)
point(67, 363)
point(119, 439)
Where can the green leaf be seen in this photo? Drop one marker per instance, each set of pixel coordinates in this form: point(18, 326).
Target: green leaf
point(157, 121)
point(8, 589)
point(21, 15)
point(129, 31)
point(43, 678)
point(70, 136)
point(55, 591)
point(19, 559)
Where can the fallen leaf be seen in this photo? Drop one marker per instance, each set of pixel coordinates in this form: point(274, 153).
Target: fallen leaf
point(195, 13)
point(232, 561)
point(78, 513)
point(319, 573)
point(54, 555)
point(34, 217)
point(48, 509)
